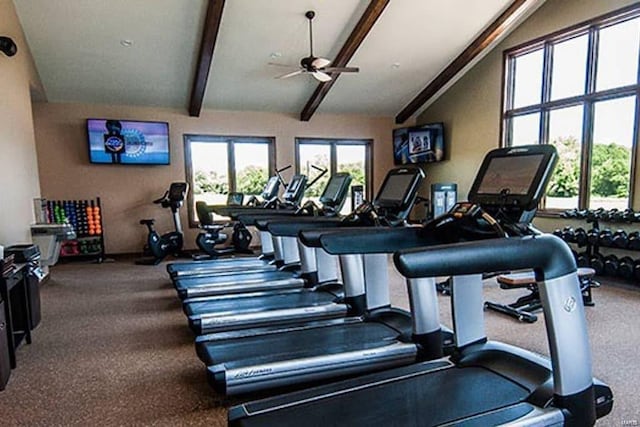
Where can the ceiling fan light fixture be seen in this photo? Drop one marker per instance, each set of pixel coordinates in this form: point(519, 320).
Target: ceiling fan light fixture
point(320, 62)
point(320, 76)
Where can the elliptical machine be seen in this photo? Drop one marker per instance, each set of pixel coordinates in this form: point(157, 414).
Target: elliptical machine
point(170, 243)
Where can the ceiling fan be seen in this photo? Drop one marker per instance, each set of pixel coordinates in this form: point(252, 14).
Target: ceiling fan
point(317, 67)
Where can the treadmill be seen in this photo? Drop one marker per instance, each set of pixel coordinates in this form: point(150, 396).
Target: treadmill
point(321, 298)
point(485, 382)
point(384, 337)
point(291, 198)
point(283, 275)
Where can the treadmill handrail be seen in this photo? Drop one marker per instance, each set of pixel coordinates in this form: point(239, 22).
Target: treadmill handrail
point(488, 256)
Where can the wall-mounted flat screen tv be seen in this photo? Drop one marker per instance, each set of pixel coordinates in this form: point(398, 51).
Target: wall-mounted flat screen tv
point(128, 142)
point(418, 144)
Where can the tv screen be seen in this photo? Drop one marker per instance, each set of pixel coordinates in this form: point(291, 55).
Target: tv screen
point(128, 142)
point(418, 144)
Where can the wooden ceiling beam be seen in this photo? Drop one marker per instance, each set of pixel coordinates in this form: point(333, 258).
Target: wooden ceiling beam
point(357, 36)
point(484, 40)
point(205, 57)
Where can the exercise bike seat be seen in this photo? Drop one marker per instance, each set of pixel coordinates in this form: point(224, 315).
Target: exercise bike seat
point(147, 221)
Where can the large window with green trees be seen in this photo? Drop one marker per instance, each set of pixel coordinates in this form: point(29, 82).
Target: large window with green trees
point(218, 165)
point(336, 155)
point(578, 89)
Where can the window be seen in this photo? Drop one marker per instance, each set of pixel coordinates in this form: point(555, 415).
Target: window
point(578, 89)
point(218, 165)
point(336, 155)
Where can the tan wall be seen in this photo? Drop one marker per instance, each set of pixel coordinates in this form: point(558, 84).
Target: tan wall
point(471, 108)
point(127, 191)
point(18, 162)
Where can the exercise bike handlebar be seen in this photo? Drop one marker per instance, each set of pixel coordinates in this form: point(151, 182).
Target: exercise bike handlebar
point(162, 199)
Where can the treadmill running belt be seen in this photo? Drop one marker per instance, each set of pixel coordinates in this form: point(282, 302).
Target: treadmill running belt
point(241, 277)
point(296, 344)
point(428, 399)
point(258, 304)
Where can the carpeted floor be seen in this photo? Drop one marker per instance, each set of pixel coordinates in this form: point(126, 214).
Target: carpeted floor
point(114, 349)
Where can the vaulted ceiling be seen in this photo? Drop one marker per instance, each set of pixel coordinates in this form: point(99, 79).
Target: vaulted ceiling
point(406, 45)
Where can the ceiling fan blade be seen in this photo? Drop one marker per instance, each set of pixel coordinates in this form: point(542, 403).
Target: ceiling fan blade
point(291, 74)
point(320, 62)
point(319, 75)
point(341, 69)
point(283, 65)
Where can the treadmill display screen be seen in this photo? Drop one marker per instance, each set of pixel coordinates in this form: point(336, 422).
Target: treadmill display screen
point(510, 175)
point(396, 187)
point(334, 187)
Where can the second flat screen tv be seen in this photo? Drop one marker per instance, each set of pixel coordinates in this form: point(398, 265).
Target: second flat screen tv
point(128, 142)
point(418, 144)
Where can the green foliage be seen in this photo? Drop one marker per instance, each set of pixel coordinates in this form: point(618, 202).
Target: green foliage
point(251, 180)
point(566, 178)
point(610, 170)
point(210, 182)
point(356, 170)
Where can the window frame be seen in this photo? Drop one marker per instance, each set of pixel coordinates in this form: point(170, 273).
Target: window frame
point(333, 143)
point(587, 100)
point(230, 140)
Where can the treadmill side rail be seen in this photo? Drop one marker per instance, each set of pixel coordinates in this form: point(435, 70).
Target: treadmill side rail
point(270, 375)
point(211, 323)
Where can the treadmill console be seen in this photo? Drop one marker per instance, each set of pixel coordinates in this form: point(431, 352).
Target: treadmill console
point(335, 193)
point(271, 189)
point(512, 181)
point(295, 190)
point(398, 192)
point(503, 199)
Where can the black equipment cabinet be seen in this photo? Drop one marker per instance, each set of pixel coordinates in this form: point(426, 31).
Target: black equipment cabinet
point(5, 363)
point(13, 291)
point(29, 255)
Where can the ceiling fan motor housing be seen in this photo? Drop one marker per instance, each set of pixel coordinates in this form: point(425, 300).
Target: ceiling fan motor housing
point(307, 63)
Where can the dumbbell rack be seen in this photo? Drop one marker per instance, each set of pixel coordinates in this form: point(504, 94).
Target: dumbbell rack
point(86, 218)
point(626, 268)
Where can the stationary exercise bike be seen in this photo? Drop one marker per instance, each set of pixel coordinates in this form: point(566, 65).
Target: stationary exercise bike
point(170, 243)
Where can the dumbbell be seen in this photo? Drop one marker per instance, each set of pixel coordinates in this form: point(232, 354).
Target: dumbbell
point(620, 239)
point(568, 235)
point(593, 236)
point(606, 237)
point(611, 265)
point(597, 263)
point(580, 236)
point(626, 267)
point(636, 269)
point(582, 259)
point(610, 215)
point(634, 240)
point(596, 214)
point(627, 215)
point(571, 213)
